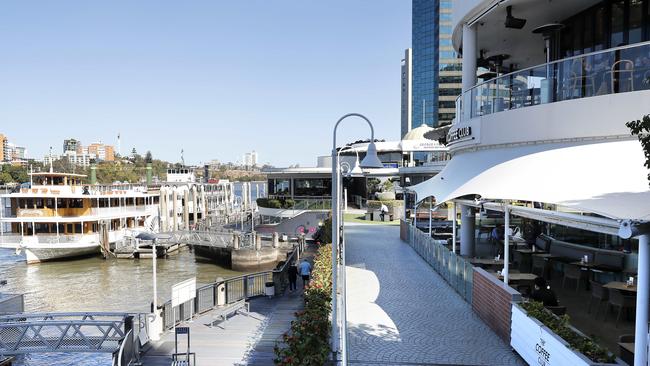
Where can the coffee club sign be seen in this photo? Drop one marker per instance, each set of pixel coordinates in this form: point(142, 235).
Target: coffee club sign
point(538, 345)
point(459, 134)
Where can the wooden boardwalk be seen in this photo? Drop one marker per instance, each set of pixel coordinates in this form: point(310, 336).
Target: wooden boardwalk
point(245, 339)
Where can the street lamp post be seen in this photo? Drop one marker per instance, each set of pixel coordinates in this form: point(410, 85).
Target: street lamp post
point(370, 161)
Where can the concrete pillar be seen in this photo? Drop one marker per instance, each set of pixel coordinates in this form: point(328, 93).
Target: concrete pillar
point(205, 201)
point(454, 215)
point(469, 67)
point(276, 240)
point(235, 241)
point(163, 208)
point(642, 298)
point(467, 224)
point(174, 209)
point(195, 204)
point(258, 242)
point(186, 209)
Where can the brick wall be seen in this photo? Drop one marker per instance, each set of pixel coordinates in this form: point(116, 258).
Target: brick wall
point(491, 300)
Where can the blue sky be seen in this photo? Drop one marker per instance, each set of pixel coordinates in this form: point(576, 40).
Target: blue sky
point(215, 78)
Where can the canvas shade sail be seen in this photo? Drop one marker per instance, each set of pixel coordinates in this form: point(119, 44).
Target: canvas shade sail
point(606, 178)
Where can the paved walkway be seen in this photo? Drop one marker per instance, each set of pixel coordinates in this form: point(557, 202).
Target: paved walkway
point(401, 312)
point(243, 339)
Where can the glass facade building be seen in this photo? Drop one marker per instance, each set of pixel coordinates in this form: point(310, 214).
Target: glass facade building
point(436, 66)
point(424, 37)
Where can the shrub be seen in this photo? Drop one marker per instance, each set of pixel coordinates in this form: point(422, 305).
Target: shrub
point(269, 203)
point(560, 326)
point(392, 204)
point(307, 343)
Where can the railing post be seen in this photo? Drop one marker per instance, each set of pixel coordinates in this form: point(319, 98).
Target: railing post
point(128, 323)
point(245, 287)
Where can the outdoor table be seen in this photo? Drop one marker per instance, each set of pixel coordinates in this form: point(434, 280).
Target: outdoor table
point(486, 261)
point(590, 267)
point(546, 256)
point(516, 277)
point(616, 285)
point(627, 352)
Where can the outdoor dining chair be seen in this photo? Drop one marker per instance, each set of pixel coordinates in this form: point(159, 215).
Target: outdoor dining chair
point(599, 293)
point(539, 266)
point(620, 301)
point(574, 273)
point(622, 76)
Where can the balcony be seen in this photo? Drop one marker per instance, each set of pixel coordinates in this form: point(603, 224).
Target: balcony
point(612, 71)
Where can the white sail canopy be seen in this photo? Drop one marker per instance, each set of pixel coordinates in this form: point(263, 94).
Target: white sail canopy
point(607, 178)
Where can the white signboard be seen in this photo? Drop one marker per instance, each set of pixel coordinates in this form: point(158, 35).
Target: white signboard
point(421, 145)
point(183, 292)
point(538, 346)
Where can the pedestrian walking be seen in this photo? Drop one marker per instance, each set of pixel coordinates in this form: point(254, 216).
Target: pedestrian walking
point(305, 272)
point(293, 277)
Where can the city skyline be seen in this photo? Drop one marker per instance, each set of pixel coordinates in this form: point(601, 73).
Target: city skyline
point(169, 77)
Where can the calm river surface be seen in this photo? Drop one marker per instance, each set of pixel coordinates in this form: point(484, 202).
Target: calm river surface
point(95, 284)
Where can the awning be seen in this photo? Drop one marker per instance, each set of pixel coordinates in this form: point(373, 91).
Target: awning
point(606, 178)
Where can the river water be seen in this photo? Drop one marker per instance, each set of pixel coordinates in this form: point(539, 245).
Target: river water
point(95, 284)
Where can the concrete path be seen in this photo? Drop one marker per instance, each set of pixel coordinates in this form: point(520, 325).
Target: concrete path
point(245, 339)
point(401, 312)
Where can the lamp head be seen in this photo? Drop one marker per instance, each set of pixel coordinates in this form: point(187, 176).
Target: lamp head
point(356, 171)
point(371, 160)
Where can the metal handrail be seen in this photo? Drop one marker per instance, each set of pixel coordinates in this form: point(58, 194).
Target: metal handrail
point(500, 80)
point(236, 288)
point(584, 55)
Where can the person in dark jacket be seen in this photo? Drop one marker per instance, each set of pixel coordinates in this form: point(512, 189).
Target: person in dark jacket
point(543, 293)
point(293, 277)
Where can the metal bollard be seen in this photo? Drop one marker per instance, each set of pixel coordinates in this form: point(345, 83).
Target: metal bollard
point(235, 241)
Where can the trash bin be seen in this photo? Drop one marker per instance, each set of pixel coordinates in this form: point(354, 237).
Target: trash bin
point(269, 289)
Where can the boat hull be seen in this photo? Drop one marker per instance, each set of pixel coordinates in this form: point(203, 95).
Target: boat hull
point(45, 252)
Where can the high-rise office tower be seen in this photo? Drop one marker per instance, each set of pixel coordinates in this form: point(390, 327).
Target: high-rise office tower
point(407, 91)
point(436, 67)
point(449, 66)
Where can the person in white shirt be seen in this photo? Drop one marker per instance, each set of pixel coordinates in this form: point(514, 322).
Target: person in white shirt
point(383, 211)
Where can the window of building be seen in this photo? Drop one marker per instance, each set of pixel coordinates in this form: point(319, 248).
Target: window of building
point(280, 186)
point(312, 187)
point(635, 33)
point(617, 23)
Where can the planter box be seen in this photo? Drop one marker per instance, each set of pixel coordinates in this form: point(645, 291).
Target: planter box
point(538, 345)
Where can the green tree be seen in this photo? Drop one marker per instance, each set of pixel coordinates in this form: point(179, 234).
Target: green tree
point(14, 173)
point(62, 165)
point(6, 178)
point(641, 128)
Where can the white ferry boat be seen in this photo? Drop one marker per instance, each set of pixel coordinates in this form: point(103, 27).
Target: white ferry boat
point(58, 216)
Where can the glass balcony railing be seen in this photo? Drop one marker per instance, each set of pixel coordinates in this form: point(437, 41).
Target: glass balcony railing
point(611, 71)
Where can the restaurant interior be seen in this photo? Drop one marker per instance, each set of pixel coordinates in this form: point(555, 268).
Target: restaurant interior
point(592, 275)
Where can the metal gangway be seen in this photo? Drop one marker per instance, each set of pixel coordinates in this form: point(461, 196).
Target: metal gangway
point(217, 239)
point(94, 332)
